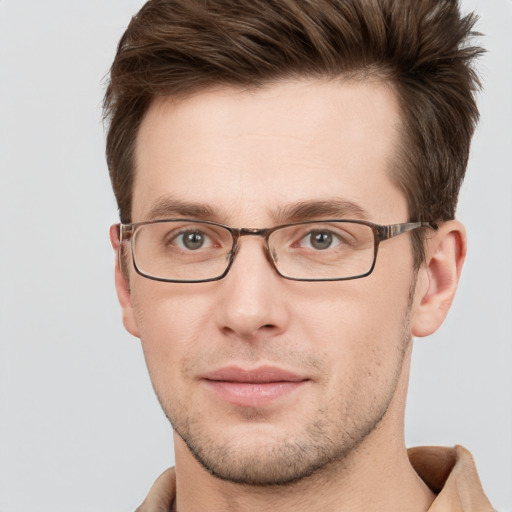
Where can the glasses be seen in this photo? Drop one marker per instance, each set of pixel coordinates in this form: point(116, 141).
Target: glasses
point(192, 251)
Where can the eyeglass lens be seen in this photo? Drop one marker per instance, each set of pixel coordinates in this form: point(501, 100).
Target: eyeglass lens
point(194, 251)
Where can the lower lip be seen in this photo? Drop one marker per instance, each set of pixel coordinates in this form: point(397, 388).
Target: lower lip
point(253, 394)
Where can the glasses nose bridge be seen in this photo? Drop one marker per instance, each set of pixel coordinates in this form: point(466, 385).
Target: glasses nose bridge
point(262, 233)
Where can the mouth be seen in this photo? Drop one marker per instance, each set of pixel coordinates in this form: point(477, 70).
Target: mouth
point(253, 388)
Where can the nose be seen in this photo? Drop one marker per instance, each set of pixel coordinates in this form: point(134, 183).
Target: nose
point(253, 302)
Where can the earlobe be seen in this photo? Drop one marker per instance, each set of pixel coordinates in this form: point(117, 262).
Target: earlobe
point(438, 278)
point(123, 287)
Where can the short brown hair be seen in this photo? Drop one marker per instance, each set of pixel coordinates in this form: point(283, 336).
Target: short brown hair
point(422, 47)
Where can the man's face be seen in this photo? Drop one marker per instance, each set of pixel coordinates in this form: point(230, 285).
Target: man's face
point(267, 379)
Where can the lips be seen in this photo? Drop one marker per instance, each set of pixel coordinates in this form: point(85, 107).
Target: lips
point(255, 387)
point(263, 374)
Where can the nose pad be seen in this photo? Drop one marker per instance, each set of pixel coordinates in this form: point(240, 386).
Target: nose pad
point(270, 255)
point(231, 255)
point(272, 258)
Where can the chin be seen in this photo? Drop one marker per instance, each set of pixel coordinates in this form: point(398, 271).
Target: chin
point(267, 458)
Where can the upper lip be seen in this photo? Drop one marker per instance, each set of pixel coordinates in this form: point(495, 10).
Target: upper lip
point(259, 375)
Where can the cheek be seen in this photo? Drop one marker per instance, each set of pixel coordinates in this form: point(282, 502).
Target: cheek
point(359, 324)
point(172, 326)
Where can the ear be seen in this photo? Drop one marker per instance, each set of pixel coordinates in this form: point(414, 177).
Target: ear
point(438, 278)
point(123, 286)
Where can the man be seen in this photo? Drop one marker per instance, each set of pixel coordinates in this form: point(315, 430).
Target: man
point(287, 174)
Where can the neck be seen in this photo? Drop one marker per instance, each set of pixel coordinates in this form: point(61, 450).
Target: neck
point(376, 476)
point(375, 486)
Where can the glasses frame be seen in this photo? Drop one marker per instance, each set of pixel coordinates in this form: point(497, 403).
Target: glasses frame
point(380, 234)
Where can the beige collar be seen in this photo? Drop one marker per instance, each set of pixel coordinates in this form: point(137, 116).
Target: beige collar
point(450, 473)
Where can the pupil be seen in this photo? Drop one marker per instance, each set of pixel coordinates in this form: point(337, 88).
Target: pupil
point(321, 240)
point(193, 240)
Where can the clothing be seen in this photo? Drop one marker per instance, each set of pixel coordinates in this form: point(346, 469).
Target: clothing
point(449, 472)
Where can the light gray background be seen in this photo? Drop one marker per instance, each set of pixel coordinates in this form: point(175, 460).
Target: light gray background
point(80, 429)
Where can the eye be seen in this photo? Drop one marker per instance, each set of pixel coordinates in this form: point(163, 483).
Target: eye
point(317, 238)
point(320, 240)
point(192, 240)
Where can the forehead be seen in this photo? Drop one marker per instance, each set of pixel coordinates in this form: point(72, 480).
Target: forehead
point(245, 153)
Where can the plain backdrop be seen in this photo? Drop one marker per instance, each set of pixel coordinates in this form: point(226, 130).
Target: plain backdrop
point(80, 429)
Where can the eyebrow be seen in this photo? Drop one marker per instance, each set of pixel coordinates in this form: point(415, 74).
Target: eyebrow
point(167, 207)
point(333, 208)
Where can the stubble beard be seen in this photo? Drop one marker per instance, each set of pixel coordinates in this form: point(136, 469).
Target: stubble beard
point(323, 445)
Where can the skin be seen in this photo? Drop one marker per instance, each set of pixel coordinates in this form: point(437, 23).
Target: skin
point(335, 442)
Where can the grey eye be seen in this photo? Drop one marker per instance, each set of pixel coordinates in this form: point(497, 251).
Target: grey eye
point(320, 240)
point(193, 240)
